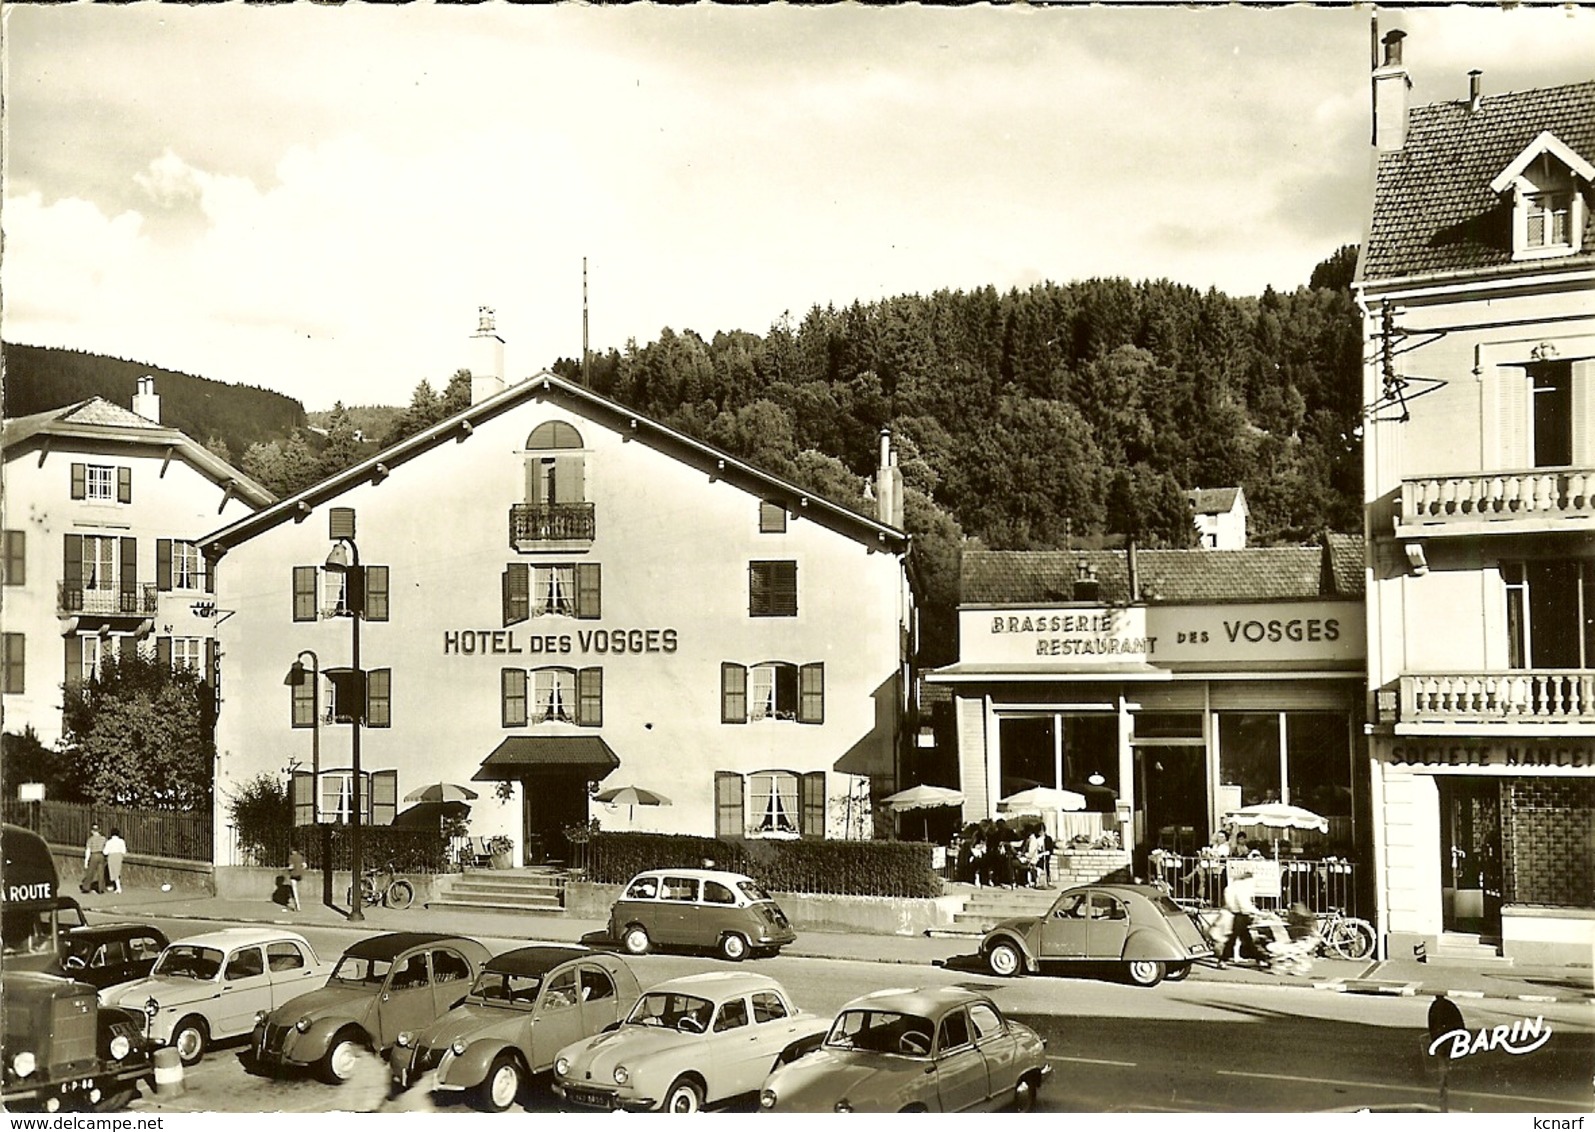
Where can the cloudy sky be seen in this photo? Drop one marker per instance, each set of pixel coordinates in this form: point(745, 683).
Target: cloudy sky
point(316, 199)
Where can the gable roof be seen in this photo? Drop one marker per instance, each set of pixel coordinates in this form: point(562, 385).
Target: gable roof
point(578, 399)
point(1213, 500)
point(99, 420)
point(1434, 211)
point(1167, 577)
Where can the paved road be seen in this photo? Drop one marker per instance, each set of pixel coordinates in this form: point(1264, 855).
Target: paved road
point(1192, 1046)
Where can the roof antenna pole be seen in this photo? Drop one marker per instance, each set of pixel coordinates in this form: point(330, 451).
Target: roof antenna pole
point(586, 356)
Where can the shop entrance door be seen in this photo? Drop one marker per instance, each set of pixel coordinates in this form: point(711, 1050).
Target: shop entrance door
point(1170, 798)
point(1470, 856)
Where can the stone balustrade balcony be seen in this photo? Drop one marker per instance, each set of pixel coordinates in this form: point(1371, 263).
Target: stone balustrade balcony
point(1519, 696)
point(1528, 501)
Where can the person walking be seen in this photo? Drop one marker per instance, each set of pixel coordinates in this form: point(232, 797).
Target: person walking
point(296, 873)
point(1240, 907)
point(115, 850)
point(93, 862)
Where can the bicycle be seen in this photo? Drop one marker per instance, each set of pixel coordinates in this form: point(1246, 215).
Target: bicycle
point(1348, 937)
point(397, 892)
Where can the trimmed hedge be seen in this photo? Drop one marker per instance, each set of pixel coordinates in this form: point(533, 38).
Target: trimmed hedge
point(411, 850)
point(838, 868)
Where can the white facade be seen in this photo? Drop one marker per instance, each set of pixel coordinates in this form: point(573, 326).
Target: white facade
point(1479, 462)
point(568, 587)
point(103, 510)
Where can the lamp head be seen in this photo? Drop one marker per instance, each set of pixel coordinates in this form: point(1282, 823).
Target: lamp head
point(339, 558)
point(296, 675)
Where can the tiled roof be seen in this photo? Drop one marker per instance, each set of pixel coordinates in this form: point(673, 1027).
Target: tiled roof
point(1213, 500)
point(1433, 210)
point(1168, 577)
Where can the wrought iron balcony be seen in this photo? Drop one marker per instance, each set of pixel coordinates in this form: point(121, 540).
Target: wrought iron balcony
point(549, 526)
point(137, 602)
point(1536, 499)
point(1519, 696)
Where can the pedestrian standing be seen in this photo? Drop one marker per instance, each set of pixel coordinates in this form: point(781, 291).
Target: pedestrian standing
point(115, 850)
point(94, 862)
point(296, 873)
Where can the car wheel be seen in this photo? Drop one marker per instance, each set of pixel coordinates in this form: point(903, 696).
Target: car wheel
point(189, 1039)
point(914, 1108)
point(686, 1095)
point(1005, 960)
point(1146, 972)
point(635, 940)
point(1024, 1093)
point(341, 1059)
point(1177, 972)
point(501, 1086)
point(733, 947)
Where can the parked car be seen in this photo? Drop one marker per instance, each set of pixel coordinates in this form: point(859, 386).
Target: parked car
point(381, 986)
point(208, 988)
point(524, 1007)
point(945, 1049)
point(699, 908)
point(104, 955)
point(1136, 925)
point(689, 1042)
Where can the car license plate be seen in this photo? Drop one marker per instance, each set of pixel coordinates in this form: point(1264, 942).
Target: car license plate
point(590, 1098)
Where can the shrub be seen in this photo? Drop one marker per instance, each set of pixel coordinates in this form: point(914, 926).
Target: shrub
point(410, 850)
point(843, 868)
point(262, 815)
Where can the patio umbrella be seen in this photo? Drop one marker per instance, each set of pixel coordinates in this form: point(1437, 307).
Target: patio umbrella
point(922, 798)
point(1278, 815)
point(1043, 798)
point(430, 815)
point(441, 792)
point(631, 797)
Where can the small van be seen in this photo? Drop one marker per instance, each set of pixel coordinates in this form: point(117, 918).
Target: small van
point(699, 908)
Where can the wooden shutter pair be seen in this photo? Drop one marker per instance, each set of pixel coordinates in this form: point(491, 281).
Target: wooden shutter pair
point(516, 587)
point(80, 483)
point(589, 697)
point(734, 693)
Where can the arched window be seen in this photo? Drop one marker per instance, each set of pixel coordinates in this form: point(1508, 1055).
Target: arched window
point(556, 509)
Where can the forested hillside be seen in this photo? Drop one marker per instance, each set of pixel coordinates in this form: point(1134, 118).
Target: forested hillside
point(218, 415)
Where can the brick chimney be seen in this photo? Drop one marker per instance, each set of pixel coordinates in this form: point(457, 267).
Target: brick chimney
point(487, 358)
point(1475, 90)
point(1390, 86)
point(147, 402)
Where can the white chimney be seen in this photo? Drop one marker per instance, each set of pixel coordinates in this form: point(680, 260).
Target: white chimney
point(889, 485)
point(147, 402)
point(1475, 90)
point(487, 358)
point(1390, 86)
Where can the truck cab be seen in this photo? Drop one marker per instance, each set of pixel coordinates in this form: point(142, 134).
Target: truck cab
point(59, 1048)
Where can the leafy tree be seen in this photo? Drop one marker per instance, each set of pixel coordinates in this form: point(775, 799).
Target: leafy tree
point(343, 448)
point(261, 812)
point(283, 467)
point(142, 734)
point(24, 759)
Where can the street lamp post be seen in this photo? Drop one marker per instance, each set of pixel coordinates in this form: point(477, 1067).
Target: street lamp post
point(345, 558)
point(296, 677)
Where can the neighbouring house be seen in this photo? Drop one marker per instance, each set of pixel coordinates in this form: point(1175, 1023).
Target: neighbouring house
point(103, 511)
point(561, 596)
point(1220, 517)
point(1477, 279)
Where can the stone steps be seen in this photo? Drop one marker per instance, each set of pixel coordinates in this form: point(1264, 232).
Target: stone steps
point(539, 891)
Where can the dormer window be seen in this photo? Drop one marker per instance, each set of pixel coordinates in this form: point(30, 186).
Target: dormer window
point(556, 514)
point(1548, 206)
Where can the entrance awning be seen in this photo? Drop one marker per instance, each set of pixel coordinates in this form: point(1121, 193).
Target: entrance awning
point(520, 755)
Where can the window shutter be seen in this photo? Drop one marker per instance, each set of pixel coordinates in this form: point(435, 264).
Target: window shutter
point(302, 789)
point(1513, 392)
point(772, 589)
point(74, 661)
point(728, 819)
point(384, 796)
point(1584, 413)
point(589, 596)
point(124, 485)
point(304, 593)
point(772, 518)
point(379, 697)
point(163, 564)
point(80, 481)
point(733, 693)
point(513, 684)
point(814, 804)
point(590, 697)
point(15, 666)
point(376, 598)
point(16, 565)
point(129, 578)
point(517, 587)
point(163, 652)
point(213, 671)
point(811, 693)
point(72, 573)
point(304, 702)
point(210, 566)
point(570, 479)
